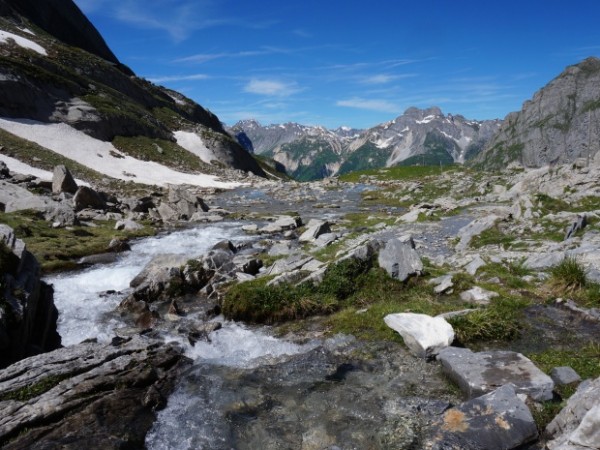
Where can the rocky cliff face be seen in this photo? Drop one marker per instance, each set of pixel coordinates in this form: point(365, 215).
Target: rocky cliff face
point(27, 312)
point(55, 67)
point(416, 137)
point(556, 126)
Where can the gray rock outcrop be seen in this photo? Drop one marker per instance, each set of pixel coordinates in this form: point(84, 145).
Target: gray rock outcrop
point(86, 197)
point(87, 396)
point(482, 372)
point(577, 426)
point(554, 126)
point(27, 312)
point(400, 259)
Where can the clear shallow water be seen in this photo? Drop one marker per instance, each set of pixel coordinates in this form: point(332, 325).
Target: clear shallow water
point(83, 305)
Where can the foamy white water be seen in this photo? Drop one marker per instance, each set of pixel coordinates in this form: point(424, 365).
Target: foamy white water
point(83, 305)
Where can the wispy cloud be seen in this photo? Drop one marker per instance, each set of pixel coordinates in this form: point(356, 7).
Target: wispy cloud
point(205, 57)
point(270, 87)
point(385, 78)
point(175, 78)
point(370, 104)
point(302, 33)
point(179, 19)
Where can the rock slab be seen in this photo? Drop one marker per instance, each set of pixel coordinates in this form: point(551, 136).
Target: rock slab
point(87, 396)
point(424, 335)
point(482, 372)
point(495, 421)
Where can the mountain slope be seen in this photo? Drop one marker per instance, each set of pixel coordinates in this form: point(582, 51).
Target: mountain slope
point(45, 79)
point(555, 126)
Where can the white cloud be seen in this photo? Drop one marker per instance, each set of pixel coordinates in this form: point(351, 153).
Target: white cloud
point(175, 78)
point(370, 104)
point(271, 87)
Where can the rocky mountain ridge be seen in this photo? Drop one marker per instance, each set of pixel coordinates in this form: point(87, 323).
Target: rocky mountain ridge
point(415, 137)
point(558, 125)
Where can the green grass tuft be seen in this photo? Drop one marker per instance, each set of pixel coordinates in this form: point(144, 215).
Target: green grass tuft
point(567, 277)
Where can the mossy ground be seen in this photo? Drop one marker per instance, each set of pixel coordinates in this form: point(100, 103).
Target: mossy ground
point(58, 248)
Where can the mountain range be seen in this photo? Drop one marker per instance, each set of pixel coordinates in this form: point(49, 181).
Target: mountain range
point(419, 136)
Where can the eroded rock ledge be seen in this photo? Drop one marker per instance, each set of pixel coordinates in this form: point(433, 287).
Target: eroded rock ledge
point(87, 396)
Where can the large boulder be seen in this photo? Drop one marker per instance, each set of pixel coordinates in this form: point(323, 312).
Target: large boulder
point(86, 197)
point(87, 396)
point(577, 426)
point(27, 314)
point(314, 229)
point(400, 260)
point(479, 373)
point(424, 335)
point(63, 181)
point(495, 421)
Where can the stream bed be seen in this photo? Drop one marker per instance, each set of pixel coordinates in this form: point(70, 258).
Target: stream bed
point(247, 389)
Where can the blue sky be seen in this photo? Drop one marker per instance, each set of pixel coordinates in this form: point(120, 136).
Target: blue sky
point(350, 63)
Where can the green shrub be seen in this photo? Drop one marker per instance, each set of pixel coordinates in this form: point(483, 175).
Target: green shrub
point(499, 321)
point(567, 277)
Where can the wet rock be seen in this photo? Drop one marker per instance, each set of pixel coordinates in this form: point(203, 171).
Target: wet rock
point(564, 375)
point(400, 260)
point(63, 181)
point(424, 335)
point(251, 228)
point(495, 421)
point(86, 197)
point(480, 373)
point(118, 245)
point(314, 229)
point(87, 396)
point(100, 258)
point(478, 296)
point(577, 426)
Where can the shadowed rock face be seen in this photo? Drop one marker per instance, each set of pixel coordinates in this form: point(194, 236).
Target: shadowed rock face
point(64, 20)
point(28, 315)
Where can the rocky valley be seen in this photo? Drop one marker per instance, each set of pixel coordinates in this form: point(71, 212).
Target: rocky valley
point(165, 285)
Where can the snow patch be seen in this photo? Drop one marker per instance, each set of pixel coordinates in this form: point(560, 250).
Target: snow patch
point(22, 42)
point(27, 30)
point(102, 156)
point(194, 144)
point(426, 119)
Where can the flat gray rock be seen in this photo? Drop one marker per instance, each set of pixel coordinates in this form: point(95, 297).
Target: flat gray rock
point(424, 335)
point(478, 296)
point(314, 229)
point(564, 375)
point(480, 373)
point(475, 228)
point(495, 421)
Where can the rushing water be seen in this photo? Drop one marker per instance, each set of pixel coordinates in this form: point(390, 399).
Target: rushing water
point(85, 299)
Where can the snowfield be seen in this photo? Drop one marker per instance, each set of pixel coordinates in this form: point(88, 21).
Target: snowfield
point(194, 144)
point(22, 42)
point(102, 156)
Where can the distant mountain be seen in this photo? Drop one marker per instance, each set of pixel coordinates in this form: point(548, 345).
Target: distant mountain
point(306, 152)
point(56, 68)
point(555, 126)
point(416, 137)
